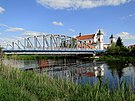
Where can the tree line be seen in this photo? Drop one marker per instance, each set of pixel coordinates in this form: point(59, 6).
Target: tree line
point(118, 49)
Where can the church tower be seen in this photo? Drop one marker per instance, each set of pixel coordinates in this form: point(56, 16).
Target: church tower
point(112, 39)
point(100, 40)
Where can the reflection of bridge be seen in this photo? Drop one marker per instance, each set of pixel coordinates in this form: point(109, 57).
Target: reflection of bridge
point(49, 44)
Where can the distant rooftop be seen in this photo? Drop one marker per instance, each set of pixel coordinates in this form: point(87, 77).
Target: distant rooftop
point(84, 37)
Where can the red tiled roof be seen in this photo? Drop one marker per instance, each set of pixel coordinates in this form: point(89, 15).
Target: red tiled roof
point(84, 37)
point(132, 45)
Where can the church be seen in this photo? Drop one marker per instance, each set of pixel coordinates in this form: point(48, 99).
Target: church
point(95, 41)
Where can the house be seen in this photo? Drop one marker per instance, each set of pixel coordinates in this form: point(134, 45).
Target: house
point(131, 46)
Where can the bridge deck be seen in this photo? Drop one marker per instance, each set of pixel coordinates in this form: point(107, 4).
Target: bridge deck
point(72, 51)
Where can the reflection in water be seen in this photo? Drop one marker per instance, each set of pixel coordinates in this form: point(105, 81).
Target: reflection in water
point(43, 63)
point(122, 71)
point(80, 71)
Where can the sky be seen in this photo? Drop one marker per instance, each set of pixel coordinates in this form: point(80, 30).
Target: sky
point(23, 18)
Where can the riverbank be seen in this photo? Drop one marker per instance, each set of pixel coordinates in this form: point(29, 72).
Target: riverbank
point(115, 58)
point(17, 85)
point(34, 57)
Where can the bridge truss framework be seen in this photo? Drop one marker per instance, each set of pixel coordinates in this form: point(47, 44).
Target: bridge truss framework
point(49, 44)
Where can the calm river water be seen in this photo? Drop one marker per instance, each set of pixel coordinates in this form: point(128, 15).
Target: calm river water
point(81, 71)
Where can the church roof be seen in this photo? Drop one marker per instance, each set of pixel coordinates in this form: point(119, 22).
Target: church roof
point(84, 37)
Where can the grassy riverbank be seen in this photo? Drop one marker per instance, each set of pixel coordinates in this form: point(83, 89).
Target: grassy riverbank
point(116, 58)
point(32, 57)
point(16, 85)
point(35, 57)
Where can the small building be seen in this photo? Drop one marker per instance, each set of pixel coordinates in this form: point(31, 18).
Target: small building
point(131, 46)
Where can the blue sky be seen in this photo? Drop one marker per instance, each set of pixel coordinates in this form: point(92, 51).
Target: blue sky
point(22, 18)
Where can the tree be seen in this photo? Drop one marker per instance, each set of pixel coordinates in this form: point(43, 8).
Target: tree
point(73, 42)
point(132, 51)
point(113, 49)
point(69, 44)
point(0, 49)
point(1, 54)
point(117, 50)
point(124, 51)
point(119, 42)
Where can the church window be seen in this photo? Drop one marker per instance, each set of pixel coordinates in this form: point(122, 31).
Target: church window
point(99, 39)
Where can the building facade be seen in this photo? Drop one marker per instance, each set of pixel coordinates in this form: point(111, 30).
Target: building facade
point(95, 41)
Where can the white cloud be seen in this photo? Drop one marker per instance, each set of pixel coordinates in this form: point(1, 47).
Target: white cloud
point(14, 29)
point(57, 23)
point(1, 10)
point(129, 16)
point(21, 30)
point(126, 36)
point(17, 37)
point(71, 30)
point(75, 4)
point(3, 25)
point(31, 33)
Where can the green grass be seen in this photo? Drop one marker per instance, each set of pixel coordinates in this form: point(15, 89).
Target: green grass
point(29, 57)
point(17, 85)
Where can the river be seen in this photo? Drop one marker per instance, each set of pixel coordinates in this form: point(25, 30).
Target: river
point(80, 71)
